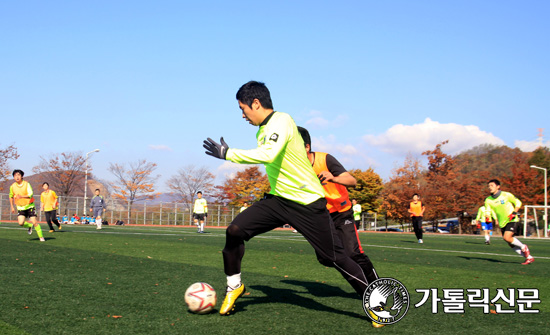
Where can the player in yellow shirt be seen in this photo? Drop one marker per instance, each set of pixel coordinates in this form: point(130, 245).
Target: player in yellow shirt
point(200, 211)
point(48, 204)
point(21, 195)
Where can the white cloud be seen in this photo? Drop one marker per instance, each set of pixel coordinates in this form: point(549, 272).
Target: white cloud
point(330, 145)
point(159, 147)
point(402, 139)
point(319, 121)
point(529, 146)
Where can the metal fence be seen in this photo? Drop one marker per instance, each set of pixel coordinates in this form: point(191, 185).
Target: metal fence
point(141, 212)
point(153, 213)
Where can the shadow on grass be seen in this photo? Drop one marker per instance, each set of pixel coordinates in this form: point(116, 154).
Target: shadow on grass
point(47, 238)
point(492, 260)
point(296, 297)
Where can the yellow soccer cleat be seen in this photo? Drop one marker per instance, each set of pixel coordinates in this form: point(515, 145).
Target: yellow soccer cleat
point(230, 298)
point(375, 317)
point(377, 325)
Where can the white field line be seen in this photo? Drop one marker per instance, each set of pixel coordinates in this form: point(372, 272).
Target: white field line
point(294, 237)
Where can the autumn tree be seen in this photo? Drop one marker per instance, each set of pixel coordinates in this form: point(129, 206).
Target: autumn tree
point(439, 194)
point(520, 183)
point(135, 181)
point(6, 154)
point(367, 192)
point(189, 180)
point(248, 185)
point(64, 172)
point(540, 158)
point(398, 191)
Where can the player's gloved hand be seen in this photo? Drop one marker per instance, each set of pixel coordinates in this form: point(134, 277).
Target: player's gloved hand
point(512, 216)
point(322, 179)
point(215, 149)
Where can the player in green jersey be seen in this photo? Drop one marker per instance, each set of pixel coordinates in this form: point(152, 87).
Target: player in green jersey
point(296, 195)
point(506, 207)
point(486, 217)
point(200, 211)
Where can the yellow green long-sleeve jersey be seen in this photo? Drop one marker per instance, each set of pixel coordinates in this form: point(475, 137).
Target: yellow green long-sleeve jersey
point(281, 150)
point(503, 203)
point(486, 215)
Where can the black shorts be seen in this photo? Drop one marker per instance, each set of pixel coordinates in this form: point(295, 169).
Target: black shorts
point(28, 213)
point(313, 221)
point(199, 217)
point(514, 227)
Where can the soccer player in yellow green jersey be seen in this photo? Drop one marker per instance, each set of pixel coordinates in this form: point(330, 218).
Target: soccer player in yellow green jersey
point(485, 217)
point(200, 211)
point(506, 207)
point(21, 195)
point(296, 195)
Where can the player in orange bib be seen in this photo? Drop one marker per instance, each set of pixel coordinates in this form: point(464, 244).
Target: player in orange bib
point(417, 211)
point(48, 204)
point(334, 179)
point(21, 195)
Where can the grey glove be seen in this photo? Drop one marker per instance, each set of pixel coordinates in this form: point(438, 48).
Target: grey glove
point(214, 149)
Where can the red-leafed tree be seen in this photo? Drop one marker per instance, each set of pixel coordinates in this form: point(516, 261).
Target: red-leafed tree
point(248, 185)
point(398, 191)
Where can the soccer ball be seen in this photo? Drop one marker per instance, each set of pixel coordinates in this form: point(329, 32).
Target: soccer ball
point(200, 298)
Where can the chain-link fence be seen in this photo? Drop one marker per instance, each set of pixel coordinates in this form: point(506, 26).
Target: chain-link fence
point(141, 212)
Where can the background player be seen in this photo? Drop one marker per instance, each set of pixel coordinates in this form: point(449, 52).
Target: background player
point(296, 196)
point(506, 207)
point(97, 206)
point(417, 211)
point(485, 217)
point(200, 211)
point(21, 194)
point(48, 204)
point(356, 208)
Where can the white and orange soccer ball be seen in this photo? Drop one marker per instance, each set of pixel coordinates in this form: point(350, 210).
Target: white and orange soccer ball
point(200, 298)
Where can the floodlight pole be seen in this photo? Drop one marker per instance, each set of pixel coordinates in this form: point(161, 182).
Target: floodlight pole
point(545, 199)
point(86, 178)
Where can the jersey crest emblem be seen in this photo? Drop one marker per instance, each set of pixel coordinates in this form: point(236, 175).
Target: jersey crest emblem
point(274, 137)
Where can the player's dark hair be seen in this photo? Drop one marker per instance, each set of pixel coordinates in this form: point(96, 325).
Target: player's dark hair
point(496, 181)
point(305, 135)
point(416, 195)
point(18, 171)
point(97, 189)
point(255, 90)
point(199, 192)
point(46, 183)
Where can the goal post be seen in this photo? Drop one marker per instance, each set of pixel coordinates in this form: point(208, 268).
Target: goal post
point(535, 216)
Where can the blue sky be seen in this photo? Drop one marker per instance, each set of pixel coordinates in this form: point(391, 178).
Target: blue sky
point(372, 80)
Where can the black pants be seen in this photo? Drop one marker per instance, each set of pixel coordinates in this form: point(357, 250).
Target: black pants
point(51, 216)
point(347, 231)
point(417, 226)
point(313, 221)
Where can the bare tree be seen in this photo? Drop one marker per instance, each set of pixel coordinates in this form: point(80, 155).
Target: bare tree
point(138, 180)
point(9, 153)
point(65, 172)
point(189, 180)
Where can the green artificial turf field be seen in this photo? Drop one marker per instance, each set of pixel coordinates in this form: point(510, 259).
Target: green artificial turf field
point(131, 280)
